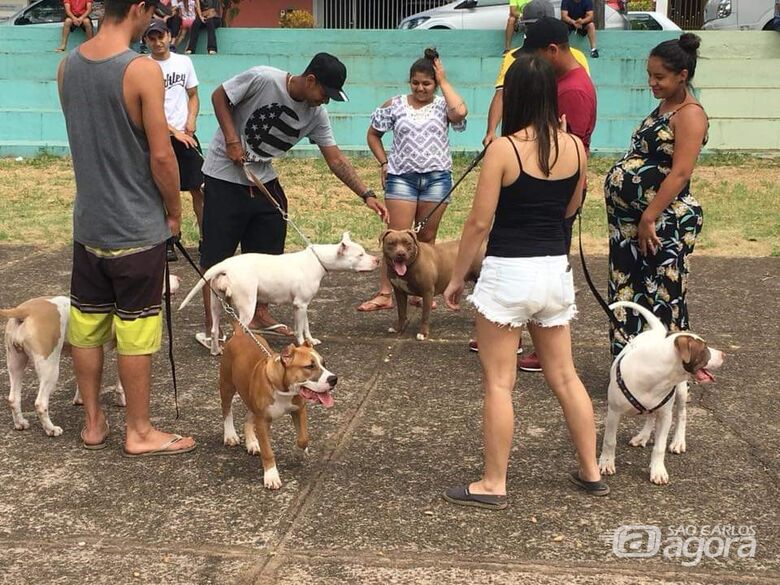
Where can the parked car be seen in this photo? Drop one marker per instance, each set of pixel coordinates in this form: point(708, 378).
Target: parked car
point(643, 20)
point(739, 15)
point(491, 15)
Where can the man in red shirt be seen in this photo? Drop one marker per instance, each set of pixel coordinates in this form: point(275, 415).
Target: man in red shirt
point(549, 38)
point(76, 16)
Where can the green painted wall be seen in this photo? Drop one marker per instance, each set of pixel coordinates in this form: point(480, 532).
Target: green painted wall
point(738, 81)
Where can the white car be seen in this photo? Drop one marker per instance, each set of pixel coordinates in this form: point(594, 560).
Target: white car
point(739, 15)
point(488, 15)
point(643, 20)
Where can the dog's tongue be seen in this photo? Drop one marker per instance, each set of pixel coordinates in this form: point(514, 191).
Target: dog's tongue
point(399, 267)
point(324, 398)
point(703, 376)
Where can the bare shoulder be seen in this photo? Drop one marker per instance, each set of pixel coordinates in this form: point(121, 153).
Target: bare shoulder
point(141, 70)
point(692, 117)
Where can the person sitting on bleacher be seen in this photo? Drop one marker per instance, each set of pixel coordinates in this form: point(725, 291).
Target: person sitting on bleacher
point(76, 16)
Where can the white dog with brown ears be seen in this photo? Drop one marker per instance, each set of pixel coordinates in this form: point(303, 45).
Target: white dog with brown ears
point(648, 377)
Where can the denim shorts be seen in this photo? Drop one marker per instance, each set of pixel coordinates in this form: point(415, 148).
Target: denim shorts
point(430, 187)
point(516, 291)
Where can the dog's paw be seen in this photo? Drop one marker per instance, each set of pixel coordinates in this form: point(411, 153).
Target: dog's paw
point(301, 454)
point(53, 431)
point(216, 352)
point(421, 337)
point(231, 439)
point(639, 440)
point(677, 446)
point(22, 424)
point(253, 447)
point(271, 479)
point(313, 341)
point(658, 475)
point(607, 465)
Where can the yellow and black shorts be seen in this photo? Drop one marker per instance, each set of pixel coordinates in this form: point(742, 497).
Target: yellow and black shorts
point(119, 289)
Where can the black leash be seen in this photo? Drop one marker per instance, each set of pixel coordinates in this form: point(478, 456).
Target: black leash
point(169, 318)
point(421, 224)
point(617, 324)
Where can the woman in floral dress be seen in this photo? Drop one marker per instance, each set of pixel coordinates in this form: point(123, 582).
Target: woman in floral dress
point(653, 219)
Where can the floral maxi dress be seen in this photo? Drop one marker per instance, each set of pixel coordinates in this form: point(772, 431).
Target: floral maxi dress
point(656, 281)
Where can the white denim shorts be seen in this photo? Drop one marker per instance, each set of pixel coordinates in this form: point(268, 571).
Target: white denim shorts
point(517, 291)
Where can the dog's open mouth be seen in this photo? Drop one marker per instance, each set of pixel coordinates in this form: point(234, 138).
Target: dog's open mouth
point(400, 267)
point(324, 398)
point(703, 376)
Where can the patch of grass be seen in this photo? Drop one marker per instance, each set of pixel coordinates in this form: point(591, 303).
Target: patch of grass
point(740, 195)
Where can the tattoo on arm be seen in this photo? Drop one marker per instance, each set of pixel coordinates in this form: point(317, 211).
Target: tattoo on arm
point(344, 170)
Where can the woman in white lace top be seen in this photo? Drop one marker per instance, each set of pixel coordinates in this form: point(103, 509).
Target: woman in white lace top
point(417, 173)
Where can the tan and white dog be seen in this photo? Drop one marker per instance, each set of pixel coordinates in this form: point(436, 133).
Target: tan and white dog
point(36, 332)
point(649, 377)
point(421, 269)
point(248, 279)
point(270, 387)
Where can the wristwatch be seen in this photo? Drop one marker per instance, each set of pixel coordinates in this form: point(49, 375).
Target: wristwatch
point(365, 195)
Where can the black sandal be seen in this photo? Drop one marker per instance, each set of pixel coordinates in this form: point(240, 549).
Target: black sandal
point(461, 496)
point(594, 488)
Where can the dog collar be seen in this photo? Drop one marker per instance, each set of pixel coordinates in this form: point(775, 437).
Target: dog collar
point(631, 398)
point(317, 256)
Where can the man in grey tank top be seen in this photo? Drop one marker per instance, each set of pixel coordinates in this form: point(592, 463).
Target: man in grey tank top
point(127, 205)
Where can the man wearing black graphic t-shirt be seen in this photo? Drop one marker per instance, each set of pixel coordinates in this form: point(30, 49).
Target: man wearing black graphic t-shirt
point(263, 113)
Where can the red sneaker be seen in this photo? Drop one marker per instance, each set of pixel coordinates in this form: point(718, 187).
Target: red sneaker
point(530, 363)
point(475, 348)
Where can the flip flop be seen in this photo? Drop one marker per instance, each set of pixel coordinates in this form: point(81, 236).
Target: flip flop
point(274, 329)
point(373, 305)
point(594, 488)
point(205, 339)
point(461, 496)
point(161, 450)
point(95, 446)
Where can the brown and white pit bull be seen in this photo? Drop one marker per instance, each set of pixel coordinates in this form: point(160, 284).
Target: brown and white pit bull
point(422, 269)
point(648, 377)
point(36, 332)
point(270, 388)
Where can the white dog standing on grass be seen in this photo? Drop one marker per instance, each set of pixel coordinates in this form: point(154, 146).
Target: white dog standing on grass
point(248, 279)
point(648, 377)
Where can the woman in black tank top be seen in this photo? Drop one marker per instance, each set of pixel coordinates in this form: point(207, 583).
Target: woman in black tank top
point(531, 180)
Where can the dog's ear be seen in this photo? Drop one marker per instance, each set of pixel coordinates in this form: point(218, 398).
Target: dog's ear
point(412, 234)
point(287, 355)
point(383, 235)
point(683, 345)
point(345, 237)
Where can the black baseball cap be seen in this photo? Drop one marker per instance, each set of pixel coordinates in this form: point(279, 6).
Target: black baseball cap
point(156, 26)
point(331, 75)
point(543, 33)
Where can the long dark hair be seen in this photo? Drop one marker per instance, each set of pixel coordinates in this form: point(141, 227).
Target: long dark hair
point(679, 54)
point(425, 65)
point(531, 99)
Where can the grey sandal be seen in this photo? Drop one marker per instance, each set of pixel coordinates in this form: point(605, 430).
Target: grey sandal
point(461, 496)
point(594, 488)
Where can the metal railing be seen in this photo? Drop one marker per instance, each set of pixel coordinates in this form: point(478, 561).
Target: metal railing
point(374, 14)
point(687, 14)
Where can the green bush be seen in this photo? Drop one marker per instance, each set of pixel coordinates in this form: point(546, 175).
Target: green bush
point(297, 19)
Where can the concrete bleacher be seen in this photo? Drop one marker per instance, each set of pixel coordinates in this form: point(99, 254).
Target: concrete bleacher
point(737, 81)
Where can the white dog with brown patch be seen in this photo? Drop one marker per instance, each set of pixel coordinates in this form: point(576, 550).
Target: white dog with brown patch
point(36, 332)
point(647, 377)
